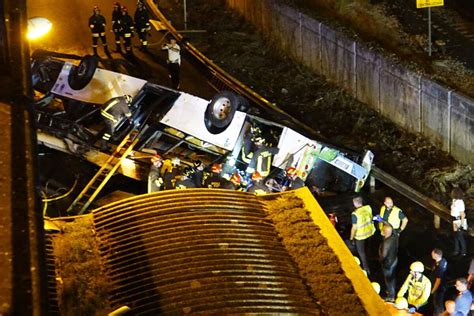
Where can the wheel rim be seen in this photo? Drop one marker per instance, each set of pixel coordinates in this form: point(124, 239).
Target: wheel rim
point(222, 108)
point(81, 71)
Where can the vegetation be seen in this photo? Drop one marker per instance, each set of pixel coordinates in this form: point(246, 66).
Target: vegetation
point(82, 282)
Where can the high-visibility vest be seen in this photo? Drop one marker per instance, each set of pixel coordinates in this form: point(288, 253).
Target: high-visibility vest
point(364, 226)
point(393, 218)
point(418, 290)
point(264, 163)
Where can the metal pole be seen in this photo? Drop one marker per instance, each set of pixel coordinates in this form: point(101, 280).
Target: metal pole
point(185, 16)
point(429, 31)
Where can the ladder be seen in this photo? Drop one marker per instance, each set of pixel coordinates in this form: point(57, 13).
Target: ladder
point(97, 183)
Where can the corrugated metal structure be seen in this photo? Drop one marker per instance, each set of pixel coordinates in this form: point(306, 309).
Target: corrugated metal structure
point(198, 251)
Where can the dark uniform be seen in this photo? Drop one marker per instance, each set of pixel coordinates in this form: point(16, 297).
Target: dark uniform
point(261, 160)
point(215, 181)
point(142, 24)
point(97, 26)
point(185, 183)
point(116, 15)
point(126, 30)
point(113, 111)
point(258, 188)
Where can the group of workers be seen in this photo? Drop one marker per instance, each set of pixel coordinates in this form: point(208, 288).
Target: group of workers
point(166, 174)
point(417, 288)
point(123, 27)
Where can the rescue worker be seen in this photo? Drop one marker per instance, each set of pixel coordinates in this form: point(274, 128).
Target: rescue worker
point(248, 145)
point(113, 111)
point(258, 187)
point(235, 179)
point(388, 256)
point(393, 215)
point(215, 180)
point(262, 158)
point(170, 170)
point(186, 182)
point(438, 280)
point(116, 16)
point(198, 173)
point(418, 287)
point(173, 61)
point(142, 24)
point(292, 181)
point(155, 181)
point(362, 229)
point(126, 30)
point(97, 26)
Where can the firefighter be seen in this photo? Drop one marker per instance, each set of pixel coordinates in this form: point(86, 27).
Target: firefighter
point(235, 180)
point(362, 229)
point(418, 287)
point(258, 187)
point(155, 181)
point(198, 173)
point(116, 16)
point(248, 145)
point(292, 181)
point(262, 157)
point(113, 111)
point(392, 215)
point(142, 24)
point(97, 26)
point(215, 180)
point(186, 182)
point(126, 30)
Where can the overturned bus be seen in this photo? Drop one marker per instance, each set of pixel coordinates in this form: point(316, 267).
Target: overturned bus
point(177, 124)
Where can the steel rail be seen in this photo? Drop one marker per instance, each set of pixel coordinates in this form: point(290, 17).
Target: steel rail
point(233, 84)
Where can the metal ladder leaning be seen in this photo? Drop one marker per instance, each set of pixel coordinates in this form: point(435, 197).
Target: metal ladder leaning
point(97, 183)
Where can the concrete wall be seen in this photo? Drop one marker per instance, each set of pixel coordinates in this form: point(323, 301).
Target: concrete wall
point(407, 98)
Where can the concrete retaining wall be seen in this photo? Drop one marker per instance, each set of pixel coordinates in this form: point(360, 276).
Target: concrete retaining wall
point(407, 98)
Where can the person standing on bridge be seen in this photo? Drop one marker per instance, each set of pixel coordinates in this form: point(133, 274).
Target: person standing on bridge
point(362, 229)
point(97, 26)
point(113, 112)
point(459, 221)
point(126, 30)
point(142, 24)
point(392, 215)
point(116, 16)
point(173, 61)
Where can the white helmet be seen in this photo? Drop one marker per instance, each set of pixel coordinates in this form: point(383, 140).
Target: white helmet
point(401, 303)
point(417, 266)
point(376, 287)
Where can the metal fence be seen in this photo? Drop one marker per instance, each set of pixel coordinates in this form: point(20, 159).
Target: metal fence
point(412, 101)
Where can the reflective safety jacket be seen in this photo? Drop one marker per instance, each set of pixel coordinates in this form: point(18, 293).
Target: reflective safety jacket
point(116, 15)
point(142, 20)
point(97, 24)
point(116, 109)
point(126, 25)
point(364, 226)
point(418, 290)
point(262, 161)
point(393, 218)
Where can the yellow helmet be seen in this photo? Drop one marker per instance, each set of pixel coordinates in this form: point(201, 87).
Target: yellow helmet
point(417, 266)
point(401, 303)
point(357, 260)
point(376, 287)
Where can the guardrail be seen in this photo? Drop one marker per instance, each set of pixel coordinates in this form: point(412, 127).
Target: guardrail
point(240, 88)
